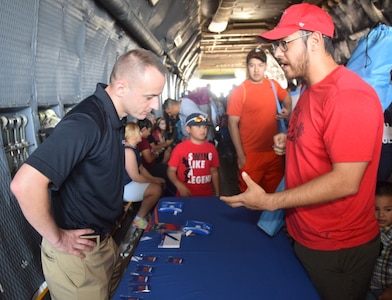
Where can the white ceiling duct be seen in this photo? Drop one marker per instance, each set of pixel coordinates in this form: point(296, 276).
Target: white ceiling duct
point(221, 18)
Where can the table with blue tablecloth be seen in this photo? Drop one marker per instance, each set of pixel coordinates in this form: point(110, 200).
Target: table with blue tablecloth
point(237, 260)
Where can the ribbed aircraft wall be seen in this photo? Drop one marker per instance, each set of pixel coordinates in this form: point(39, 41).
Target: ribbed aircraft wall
point(52, 54)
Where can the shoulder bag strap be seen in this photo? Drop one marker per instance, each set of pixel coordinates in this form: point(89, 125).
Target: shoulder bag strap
point(281, 123)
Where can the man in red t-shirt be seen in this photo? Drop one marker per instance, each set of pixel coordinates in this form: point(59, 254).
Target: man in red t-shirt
point(332, 148)
point(252, 115)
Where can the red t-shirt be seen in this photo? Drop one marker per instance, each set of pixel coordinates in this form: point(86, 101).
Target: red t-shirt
point(155, 134)
point(336, 120)
point(194, 163)
point(255, 104)
point(145, 145)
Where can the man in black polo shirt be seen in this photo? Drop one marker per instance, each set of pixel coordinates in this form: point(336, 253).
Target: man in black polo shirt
point(82, 166)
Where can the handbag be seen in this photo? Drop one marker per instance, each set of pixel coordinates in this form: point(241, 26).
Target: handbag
point(271, 222)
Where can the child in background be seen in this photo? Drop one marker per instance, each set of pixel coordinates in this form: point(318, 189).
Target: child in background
point(380, 285)
point(193, 164)
point(139, 184)
point(161, 143)
point(152, 117)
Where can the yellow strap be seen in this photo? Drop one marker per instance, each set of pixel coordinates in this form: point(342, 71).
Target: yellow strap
point(42, 294)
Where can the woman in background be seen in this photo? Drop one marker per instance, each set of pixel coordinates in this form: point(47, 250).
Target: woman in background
point(140, 185)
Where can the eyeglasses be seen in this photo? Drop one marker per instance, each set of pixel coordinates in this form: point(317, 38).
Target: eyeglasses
point(282, 45)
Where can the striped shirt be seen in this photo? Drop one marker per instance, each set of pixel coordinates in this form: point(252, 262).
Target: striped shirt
point(382, 274)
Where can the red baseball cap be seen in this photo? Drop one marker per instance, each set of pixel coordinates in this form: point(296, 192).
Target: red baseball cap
point(303, 16)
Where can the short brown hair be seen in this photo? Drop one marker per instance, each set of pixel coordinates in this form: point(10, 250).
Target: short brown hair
point(133, 63)
point(256, 53)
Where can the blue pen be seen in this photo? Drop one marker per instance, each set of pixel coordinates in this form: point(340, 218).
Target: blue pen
point(170, 236)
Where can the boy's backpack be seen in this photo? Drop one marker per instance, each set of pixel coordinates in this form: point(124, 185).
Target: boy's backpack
point(372, 60)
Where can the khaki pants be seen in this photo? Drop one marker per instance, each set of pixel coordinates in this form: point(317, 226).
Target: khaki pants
point(70, 277)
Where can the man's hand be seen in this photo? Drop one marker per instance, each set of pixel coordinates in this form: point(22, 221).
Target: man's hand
point(254, 197)
point(280, 143)
point(284, 115)
point(71, 242)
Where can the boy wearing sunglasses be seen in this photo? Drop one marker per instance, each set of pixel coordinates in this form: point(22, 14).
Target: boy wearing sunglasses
point(194, 163)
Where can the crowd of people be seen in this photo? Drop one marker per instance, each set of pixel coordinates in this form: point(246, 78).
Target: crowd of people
point(72, 188)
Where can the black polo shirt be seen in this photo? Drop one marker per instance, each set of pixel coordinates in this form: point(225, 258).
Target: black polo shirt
point(84, 159)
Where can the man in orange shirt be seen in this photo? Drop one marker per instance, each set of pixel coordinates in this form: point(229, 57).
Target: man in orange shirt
point(253, 118)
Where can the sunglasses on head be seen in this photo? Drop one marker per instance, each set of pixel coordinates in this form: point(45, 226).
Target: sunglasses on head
point(199, 119)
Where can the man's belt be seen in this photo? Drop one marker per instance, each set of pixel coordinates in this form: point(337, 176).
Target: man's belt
point(96, 237)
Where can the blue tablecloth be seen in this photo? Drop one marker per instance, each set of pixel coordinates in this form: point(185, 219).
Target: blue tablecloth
point(236, 261)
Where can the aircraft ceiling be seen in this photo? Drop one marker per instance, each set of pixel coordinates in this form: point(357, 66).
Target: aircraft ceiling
point(212, 37)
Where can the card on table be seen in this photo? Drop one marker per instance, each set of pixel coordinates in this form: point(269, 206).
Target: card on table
point(171, 240)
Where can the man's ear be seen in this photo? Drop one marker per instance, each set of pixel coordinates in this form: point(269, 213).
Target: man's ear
point(187, 129)
point(120, 87)
point(316, 40)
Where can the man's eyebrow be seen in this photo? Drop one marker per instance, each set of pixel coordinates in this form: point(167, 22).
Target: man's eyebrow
point(151, 95)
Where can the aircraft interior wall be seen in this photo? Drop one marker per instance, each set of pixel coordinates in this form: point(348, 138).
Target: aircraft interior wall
point(52, 55)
